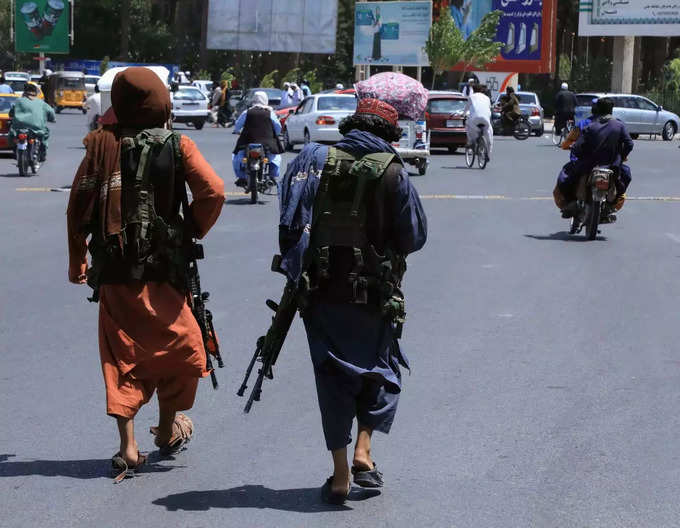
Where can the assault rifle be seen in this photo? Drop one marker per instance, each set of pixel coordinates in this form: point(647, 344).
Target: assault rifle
point(268, 347)
point(202, 314)
point(198, 297)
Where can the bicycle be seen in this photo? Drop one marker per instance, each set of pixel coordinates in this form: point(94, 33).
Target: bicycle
point(477, 150)
point(558, 139)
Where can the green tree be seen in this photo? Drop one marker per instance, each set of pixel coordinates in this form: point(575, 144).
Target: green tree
point(481, 47)
point(269, 80)
point(445, 45)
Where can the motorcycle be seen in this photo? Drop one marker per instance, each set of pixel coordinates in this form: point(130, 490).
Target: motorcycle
point(521, 130)
point(595, 192)
point(256, 166)
point(28, 147)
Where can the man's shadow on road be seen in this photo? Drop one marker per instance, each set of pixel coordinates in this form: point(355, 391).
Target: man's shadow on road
point(564, 236)
point(80, 469)
point(301, 500)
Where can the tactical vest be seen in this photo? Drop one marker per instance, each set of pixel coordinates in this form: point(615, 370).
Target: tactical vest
point(342, 265)
point(152, 244)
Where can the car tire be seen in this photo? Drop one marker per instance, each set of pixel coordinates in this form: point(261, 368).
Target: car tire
point(308, 138)
point(669, 130)
point(199, 124)
point(58, 109)
point(84, 110)
point(540, 132)
point(634, 136)
point(287, 145)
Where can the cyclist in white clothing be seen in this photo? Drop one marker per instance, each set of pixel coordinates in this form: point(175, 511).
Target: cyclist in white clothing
point(478, 112)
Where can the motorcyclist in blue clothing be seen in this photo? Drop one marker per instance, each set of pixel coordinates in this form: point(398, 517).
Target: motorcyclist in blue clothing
point(604, 142)
point(258, 124)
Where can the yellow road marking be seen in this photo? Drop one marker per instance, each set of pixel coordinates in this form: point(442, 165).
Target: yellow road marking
point(425, 196)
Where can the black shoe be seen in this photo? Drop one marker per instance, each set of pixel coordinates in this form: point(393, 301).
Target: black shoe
point(368, 479)
point(241, 182)
point(329, 497)
point(570, 210)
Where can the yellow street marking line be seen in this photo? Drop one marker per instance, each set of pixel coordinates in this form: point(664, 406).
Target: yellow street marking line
point(422, 196)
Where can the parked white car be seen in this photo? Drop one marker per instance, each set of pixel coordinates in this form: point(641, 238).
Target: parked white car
point(190, 105)
point(205, 86)
point(317, 119)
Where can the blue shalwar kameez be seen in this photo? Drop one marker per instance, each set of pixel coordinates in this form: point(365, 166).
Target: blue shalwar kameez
point(354, 350)
point(237, 159)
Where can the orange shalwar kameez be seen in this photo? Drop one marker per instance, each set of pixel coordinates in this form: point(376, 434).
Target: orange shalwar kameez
point(148, 338)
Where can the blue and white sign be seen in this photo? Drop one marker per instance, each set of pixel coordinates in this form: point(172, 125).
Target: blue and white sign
point(629, 18)
point(392, 33)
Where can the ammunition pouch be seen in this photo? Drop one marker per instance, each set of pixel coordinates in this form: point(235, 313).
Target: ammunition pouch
point(341, 265)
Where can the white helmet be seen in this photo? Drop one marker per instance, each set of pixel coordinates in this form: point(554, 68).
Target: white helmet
point(339, 86)
point(564, 86)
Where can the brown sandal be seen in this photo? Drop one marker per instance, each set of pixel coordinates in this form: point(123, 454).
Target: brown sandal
point(122, 470)
point(182, 433)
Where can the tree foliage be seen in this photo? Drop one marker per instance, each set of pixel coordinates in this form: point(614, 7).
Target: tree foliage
point(445, 45)
point(481, 47)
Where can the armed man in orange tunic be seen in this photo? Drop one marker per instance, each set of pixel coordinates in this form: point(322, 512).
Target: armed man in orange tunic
point(126, 197)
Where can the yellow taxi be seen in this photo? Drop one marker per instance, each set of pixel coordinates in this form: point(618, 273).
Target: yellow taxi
point(6, 102)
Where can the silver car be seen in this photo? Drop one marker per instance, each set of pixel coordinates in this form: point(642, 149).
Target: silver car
point(530, 106)
point(640, 115)
point(317, 118)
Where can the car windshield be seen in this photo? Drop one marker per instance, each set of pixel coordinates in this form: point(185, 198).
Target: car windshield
point(190, 95)
point(72, 83)
point(526, 98)
point(447, 106)
point(6, 103)
point(337, 103)
point(17, 86)
point(91, 79)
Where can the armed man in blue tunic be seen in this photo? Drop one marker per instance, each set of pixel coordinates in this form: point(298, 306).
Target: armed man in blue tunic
point(349, 217)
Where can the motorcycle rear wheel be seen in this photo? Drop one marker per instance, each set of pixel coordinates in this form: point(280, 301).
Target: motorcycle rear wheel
point(252, 184)
point(22, 162)
point(592, 219)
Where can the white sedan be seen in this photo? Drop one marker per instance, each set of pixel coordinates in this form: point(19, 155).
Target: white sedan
point(317, 118)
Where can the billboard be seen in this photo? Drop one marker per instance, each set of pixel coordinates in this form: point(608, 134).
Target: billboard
point(526, 30)
point(392, 33)
point(628, 18)
point(41, 26)
point(298, 26)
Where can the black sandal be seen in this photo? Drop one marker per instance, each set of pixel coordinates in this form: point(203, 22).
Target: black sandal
point(122, 470)
point(368, 479)
point(328, 496)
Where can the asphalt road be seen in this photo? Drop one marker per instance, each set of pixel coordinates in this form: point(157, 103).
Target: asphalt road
point(545, 386)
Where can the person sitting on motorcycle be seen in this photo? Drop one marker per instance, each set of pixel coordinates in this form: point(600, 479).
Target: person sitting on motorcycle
point(478, 112)
point(565, 106)
point(605, 142)
point(31, 113)
point(510, 111)
point(258, 124)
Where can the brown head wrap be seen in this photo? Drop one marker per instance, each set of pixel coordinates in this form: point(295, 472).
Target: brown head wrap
point(140, 99)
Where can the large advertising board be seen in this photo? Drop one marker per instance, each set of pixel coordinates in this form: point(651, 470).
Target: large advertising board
point(526, 30)
point(41, 26)
point(297, 26)
point(392, 33)
point(627, 18)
